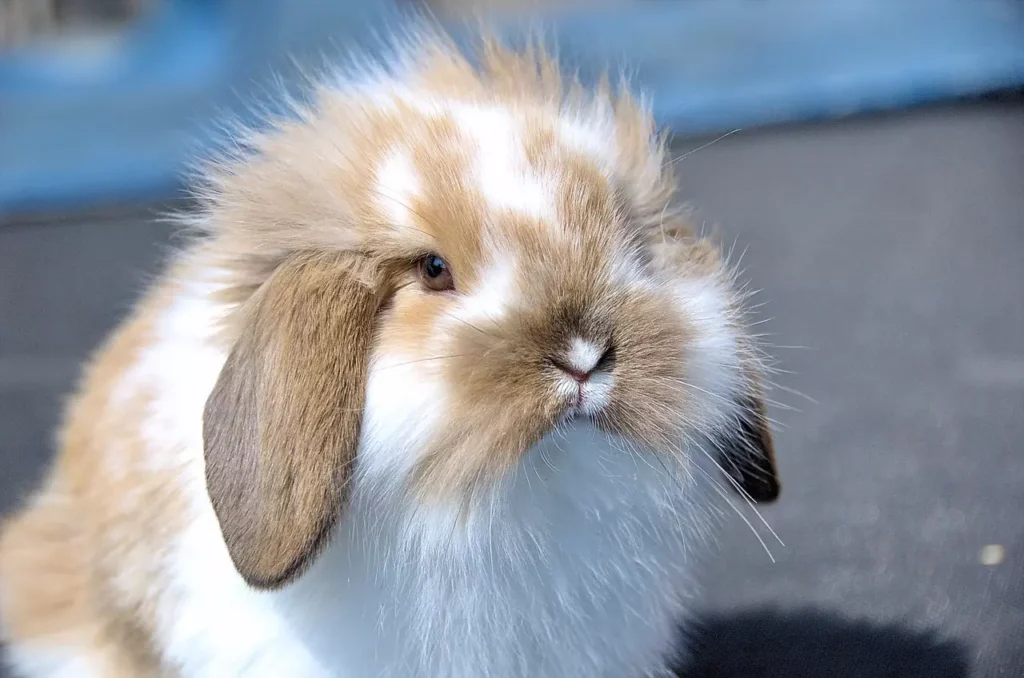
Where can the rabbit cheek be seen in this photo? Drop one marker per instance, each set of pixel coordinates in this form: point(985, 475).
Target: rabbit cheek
point(407, 398)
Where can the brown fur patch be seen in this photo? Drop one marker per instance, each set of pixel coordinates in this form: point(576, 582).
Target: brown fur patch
point(51, 596)
point(450, 208)
point(100, 517)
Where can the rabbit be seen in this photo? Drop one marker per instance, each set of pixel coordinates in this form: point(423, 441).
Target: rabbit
point(423, 395)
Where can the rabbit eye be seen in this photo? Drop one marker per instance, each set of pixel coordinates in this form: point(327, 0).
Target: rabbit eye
point(435, 274)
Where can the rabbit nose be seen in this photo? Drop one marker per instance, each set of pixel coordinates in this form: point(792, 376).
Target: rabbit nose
point(583, 359)
point(577, 374)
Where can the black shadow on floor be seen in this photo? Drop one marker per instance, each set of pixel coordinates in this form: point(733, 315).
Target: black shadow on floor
point(812, 643)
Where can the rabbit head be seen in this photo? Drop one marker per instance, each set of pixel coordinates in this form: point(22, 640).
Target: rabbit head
point(430, 270)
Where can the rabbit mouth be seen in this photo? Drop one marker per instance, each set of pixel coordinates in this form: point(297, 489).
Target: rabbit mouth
point(586, 399)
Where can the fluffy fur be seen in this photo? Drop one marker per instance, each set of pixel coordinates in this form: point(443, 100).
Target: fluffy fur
point(296, 459)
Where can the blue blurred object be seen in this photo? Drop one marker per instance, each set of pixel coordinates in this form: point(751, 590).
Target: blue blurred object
point(123, 124)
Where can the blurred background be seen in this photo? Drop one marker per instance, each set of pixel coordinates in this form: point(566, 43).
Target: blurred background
point(867, 155)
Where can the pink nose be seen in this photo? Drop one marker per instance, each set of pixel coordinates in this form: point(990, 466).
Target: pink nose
point(579, 375)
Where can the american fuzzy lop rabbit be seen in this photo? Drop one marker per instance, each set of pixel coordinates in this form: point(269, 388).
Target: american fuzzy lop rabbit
point(424, 398)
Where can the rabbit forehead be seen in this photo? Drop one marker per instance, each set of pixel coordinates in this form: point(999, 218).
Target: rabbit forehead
point(501, 157)
point(477, 182)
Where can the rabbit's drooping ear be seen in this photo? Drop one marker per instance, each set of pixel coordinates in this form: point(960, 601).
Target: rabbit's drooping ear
point(282, 424)
point(747, 453)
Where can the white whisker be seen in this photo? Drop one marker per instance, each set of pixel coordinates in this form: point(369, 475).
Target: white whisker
point(701, 148)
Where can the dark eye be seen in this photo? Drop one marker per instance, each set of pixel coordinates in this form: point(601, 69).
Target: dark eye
point(435, 274)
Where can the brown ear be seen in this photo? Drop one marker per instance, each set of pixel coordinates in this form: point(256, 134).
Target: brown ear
point(747, 453)
point(281, 427)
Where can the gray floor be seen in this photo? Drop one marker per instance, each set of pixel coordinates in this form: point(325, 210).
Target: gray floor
point(891, 249)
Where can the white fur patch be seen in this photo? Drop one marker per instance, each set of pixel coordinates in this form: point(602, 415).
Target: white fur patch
point(595, 139)
point(593, 394)
point(492, 298)
point(179, 394)
point(583, 355)
point(397, 185)
point(501, 170)
point(576, 567)
point(596, 394)
point(404, 402)
point(626, 269)
point(714, 369)
point(213, 624)
point(55, 660)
